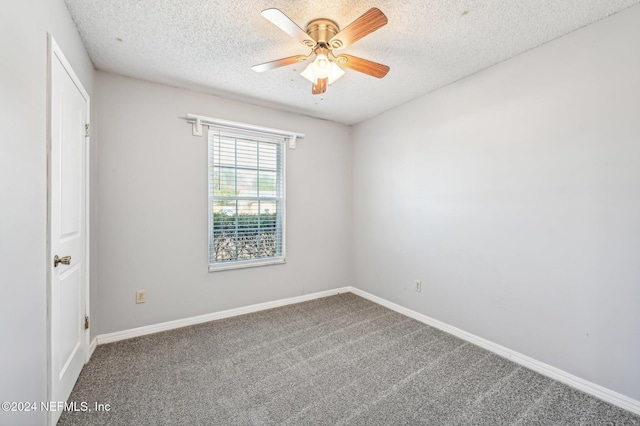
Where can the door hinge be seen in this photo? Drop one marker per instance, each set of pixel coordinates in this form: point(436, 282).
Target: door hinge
point(86, 130)
point(86, 322)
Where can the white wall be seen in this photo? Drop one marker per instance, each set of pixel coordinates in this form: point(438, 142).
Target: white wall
point(514, 195)
point(153, 207)
point(23, 192)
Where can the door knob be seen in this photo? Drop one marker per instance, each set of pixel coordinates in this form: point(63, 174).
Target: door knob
point(66, 260)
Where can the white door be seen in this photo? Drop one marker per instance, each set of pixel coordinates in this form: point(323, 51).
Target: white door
point(68, 227)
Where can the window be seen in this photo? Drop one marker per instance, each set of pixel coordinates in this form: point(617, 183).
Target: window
point(246, 198)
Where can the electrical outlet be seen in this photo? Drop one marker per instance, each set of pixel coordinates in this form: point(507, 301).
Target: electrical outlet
point(141, 296)
point(418, 285)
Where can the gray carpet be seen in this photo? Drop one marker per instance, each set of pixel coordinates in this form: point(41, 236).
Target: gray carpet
point(341, 360)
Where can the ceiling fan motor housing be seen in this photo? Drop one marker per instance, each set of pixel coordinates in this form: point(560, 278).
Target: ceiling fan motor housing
point(322, 30)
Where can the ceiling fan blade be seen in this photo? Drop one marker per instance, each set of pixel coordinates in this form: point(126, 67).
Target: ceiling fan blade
point(362, 65)
point(370, 21)
point(282, 21)
point(279, 63)
point(320, 87)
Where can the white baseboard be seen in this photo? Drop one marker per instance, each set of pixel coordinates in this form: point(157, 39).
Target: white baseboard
point(585, 386)
point(170, 325)
point(92, 348)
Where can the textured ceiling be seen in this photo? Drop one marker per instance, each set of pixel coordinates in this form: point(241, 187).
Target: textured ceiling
point(210, 45)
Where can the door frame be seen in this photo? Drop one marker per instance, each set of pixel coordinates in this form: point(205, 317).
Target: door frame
point(53, 52)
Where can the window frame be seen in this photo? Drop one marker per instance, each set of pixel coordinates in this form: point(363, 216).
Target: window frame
point(282, 141)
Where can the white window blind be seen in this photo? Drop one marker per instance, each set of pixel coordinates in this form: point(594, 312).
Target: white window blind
point(246, 198)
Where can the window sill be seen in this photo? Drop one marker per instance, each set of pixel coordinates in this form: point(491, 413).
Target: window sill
point(246, 264)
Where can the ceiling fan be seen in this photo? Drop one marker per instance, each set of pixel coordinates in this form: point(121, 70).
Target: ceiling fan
point(325, 39)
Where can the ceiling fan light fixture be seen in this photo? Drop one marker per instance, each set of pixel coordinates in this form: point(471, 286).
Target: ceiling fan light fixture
point(335, 72)
point(309, 74)
point(322, 67)
point(317, 69)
